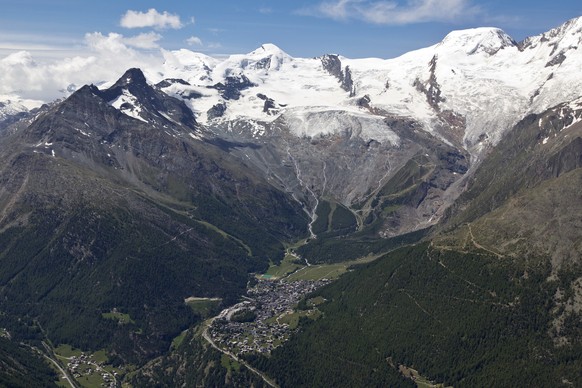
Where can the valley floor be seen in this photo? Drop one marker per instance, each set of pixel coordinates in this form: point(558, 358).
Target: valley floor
point(266, 319)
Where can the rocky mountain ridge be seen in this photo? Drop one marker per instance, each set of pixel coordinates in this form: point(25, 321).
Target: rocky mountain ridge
point(481, 67)
point(298, 107)
point(339, 129)
point(104, 204)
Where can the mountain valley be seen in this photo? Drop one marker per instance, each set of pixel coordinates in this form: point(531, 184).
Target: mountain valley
point(453, 170)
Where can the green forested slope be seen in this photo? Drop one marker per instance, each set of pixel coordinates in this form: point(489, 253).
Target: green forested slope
point(460, 318)
point(22, 367)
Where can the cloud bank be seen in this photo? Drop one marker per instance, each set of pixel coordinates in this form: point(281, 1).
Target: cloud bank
point(105, 58)
point(98, 59)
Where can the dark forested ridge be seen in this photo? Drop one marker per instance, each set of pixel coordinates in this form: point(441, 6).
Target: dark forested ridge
point(20, 366)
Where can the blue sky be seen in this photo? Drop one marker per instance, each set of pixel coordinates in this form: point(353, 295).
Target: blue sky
point(354, 28)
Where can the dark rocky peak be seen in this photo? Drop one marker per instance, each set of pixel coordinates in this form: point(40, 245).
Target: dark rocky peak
point(171, 81)
point(131, 77)
point(333, 65)
point(87, 124)
point(134, 82)
point(84, 103)
point(232, 86)
point(143, 101)
point(80, 119)
point(86, 91)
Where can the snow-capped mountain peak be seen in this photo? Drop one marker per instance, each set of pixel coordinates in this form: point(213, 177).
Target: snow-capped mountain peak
point(266, 58)
point(268, 49)
point(571, 27)
point(566, 36)
point(476, 40)
point(189, 65)
point(126, 93)
point(132, 76)
point(468, 89)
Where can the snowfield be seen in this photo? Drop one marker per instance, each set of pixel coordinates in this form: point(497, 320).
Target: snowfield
point(482, 75)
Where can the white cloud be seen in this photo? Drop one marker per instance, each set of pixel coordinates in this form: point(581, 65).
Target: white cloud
point(23, 76)
point(395, 12)
point(116, 42)
point(21, 58)
point(194, 41)
point(151, 18)
point(266, 10)
point(103, 58)
point(148, 40)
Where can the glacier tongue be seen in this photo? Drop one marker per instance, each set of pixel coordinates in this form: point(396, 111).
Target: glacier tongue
point(318, 121)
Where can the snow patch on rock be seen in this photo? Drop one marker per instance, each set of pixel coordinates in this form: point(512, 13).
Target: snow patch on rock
point(128, 104)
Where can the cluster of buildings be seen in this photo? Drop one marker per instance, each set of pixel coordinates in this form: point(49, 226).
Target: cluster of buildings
point(83, 365)
point(268, 301)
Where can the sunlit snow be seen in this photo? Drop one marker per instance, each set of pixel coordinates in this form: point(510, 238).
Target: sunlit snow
point(128, 104)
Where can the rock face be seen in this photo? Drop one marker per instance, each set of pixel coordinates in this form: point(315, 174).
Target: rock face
point(520, 192)
point(216, 111)
point(360, 174)
point(232, 87)
point(337, 128)
point(333, 65)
